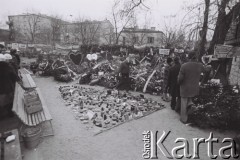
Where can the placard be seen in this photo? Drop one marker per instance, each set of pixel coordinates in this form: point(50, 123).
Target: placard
point(31, 45)
point(164, 51)
point(24, 46)
point(179, 50)
point(14, 45)
point(226, 51)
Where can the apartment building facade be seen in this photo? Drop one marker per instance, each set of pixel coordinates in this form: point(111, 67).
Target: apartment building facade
point(135, 36)
point(35, 28)
point(88, 33)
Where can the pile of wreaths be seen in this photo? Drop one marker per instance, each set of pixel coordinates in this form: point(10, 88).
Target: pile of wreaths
point(103, 75)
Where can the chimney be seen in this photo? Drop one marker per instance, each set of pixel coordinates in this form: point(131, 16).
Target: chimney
point(153, 28)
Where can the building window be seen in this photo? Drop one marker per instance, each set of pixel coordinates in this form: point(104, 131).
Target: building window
point(150, 39)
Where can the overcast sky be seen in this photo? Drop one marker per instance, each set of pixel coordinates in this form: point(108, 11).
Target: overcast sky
point(93, 9)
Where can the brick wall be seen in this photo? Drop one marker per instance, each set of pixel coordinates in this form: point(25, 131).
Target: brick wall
point(235, 71)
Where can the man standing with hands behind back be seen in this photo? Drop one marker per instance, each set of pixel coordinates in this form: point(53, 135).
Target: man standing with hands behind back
point(189, 78)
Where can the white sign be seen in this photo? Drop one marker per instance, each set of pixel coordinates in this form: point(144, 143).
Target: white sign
point(30, 45)
point(164, 51)
point(38, 49)
point(22, 46)
point(100, 73)
point(14, 45)
point(91, 57)
point(179, 50)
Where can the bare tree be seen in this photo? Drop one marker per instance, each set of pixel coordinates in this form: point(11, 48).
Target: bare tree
point(131, 5)
point(15, 32)
point(174, 36)
point(226, 10)
point(56, 25)
point(131, 33)
point(33, 28)
point(107, 33)
point(217, 19)
point(203, 31)
point(44, 35)
point(87, 31)
point(120, 19)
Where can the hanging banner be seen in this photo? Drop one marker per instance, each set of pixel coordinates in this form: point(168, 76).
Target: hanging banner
point(164, 51)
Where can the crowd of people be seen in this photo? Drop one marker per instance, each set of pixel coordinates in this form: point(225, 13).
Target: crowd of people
point(180, 79)
point(180, 82)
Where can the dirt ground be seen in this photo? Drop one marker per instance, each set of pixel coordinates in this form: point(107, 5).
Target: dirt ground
point(72, 141)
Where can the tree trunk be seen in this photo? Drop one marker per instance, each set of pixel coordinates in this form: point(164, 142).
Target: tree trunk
point(222, 25)
point(203, 34)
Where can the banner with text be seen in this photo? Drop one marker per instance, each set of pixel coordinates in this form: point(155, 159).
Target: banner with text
point(226, 51)
point(164, 51)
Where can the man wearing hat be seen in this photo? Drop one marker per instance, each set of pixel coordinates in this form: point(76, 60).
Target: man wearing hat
point(189, 78)
point(15, 59)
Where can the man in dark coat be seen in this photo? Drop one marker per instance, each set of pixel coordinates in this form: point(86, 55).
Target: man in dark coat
point(8, 78)
point(124, 71)
point(189, 78)
point(166, 69)
point(174, 87)
point(15, 59)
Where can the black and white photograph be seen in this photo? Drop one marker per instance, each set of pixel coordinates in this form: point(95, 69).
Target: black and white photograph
point(119, 79)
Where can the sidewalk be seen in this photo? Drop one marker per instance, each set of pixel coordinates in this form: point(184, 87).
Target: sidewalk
point(72, 141)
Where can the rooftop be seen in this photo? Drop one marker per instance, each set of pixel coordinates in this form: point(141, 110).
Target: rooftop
point(34, 14)
point(136, 30)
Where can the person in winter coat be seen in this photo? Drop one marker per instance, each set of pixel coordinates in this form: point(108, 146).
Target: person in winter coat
point(15, 59)
point(165, 79)
point(124, 71)
point(174, 87)
point(8, 78)
point(189, 78)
